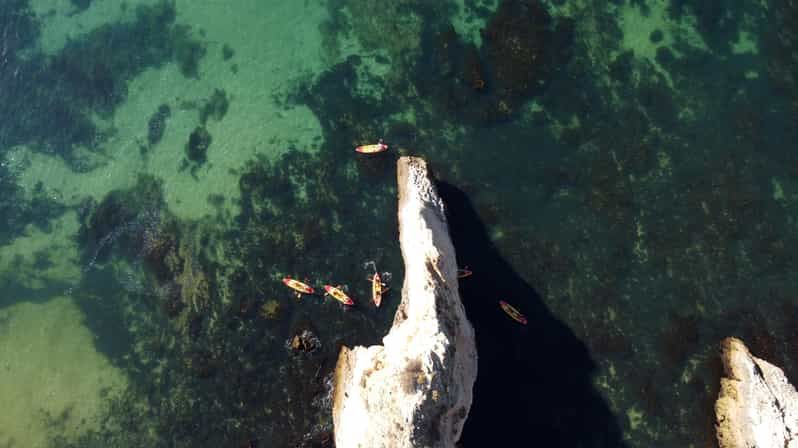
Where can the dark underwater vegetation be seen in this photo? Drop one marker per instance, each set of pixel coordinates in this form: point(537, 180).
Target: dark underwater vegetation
point(634, 196)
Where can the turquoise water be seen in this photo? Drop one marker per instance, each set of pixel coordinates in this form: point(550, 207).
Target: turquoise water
point(623, 172)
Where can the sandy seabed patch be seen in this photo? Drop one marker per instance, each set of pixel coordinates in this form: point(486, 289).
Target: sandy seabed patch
point(51, 377)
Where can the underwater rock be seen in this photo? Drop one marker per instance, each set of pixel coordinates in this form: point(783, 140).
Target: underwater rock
point(523, 46)
point(757, 406)
point(305, 341)
point(227, 52)
point(215, 107)
point(198, 143)
point(416, 389)
point(157, 124)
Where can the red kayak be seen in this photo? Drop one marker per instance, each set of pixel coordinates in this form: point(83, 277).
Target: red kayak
point(512, 312)
point(338, 294)
point(372, 149)
point(296, 285)
point(464, 272)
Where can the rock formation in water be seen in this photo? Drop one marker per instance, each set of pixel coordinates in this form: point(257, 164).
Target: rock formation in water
point(756, 407)
point(415, 390)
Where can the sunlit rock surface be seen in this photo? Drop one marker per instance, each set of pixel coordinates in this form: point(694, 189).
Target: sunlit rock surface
point(416, 389)
point(757, 407)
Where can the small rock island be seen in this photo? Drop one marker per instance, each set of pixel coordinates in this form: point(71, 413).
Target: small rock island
point(416, 389)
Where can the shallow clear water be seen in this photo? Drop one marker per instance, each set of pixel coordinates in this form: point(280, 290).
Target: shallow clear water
point(622, 172)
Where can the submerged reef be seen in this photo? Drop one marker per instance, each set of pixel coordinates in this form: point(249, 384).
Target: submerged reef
point(166, 300)
point(133, 227)
point(523, 46)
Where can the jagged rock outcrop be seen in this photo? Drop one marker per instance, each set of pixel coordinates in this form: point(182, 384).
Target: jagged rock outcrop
point(757, 407)
point(415, 390)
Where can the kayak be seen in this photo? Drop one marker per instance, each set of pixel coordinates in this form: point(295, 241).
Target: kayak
point(372, 149)
point(463, 273)
point(297, 286)
point(338, 295)
point(376, 289)
point(512, 312)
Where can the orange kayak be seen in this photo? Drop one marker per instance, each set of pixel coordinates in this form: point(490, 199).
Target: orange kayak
point(338, 295)
point(512, 312)
point(372, 149)
point(463, 273)
point(297, 286)
point(376, 289)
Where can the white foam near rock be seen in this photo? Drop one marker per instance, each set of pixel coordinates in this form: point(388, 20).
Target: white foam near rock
point(757, 407)
point(415, 390)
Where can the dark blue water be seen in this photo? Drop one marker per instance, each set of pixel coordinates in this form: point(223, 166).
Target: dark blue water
point(624, 173)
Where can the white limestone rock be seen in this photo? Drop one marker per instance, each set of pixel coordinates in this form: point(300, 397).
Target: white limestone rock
point(756, 407)
point(416, 389)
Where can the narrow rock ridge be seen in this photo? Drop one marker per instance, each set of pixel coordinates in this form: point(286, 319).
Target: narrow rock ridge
point(415, 390)
point(757, 407)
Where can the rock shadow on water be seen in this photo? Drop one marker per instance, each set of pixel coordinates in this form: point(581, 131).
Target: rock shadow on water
point(534, 382)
